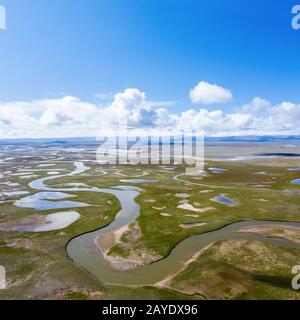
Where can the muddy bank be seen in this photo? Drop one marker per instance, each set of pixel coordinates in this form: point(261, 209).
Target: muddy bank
point(126, 240)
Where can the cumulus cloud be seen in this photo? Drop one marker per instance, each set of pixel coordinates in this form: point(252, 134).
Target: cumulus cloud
point(131, 106)
point(256, 105)
point(69, 116)
point(285, 116)
point(213, 121)
point(206, 93)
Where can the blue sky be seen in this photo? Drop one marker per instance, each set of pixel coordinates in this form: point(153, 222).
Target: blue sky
point(53, 49)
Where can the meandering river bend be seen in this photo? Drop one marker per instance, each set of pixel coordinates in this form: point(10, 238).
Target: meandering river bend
point(84, 252)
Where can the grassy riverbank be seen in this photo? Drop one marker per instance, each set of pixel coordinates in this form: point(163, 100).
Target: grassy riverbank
point(38, 267)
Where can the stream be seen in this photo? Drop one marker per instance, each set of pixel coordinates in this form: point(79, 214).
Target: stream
point(83, 251)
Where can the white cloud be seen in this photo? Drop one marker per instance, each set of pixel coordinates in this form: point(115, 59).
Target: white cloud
point(285, 116)
point(256, 105)
point(213, 121)
point(206, 93)
point(69, 117)
point(131, 106)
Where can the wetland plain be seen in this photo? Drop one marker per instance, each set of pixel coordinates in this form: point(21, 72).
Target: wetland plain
point(71, 228)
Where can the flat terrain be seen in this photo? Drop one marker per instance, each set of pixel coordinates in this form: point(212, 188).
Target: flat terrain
point(172, 209)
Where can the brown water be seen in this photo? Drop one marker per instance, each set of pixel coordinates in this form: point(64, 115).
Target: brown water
point(84, 252)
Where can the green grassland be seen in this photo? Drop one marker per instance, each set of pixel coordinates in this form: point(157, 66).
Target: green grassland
point(240, 269)
point(38, 267)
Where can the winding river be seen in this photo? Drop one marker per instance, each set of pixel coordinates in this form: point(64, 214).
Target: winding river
point(84, 252)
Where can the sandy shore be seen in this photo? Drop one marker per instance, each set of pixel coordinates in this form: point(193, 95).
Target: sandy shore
point(165, 283)
point(192, 225)
point(107, 240)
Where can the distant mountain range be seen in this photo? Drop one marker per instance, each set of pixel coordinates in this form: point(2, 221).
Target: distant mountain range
point(92, 140)
point(254, 138)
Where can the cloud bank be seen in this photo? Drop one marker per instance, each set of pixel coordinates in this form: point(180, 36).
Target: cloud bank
point(71, 117)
